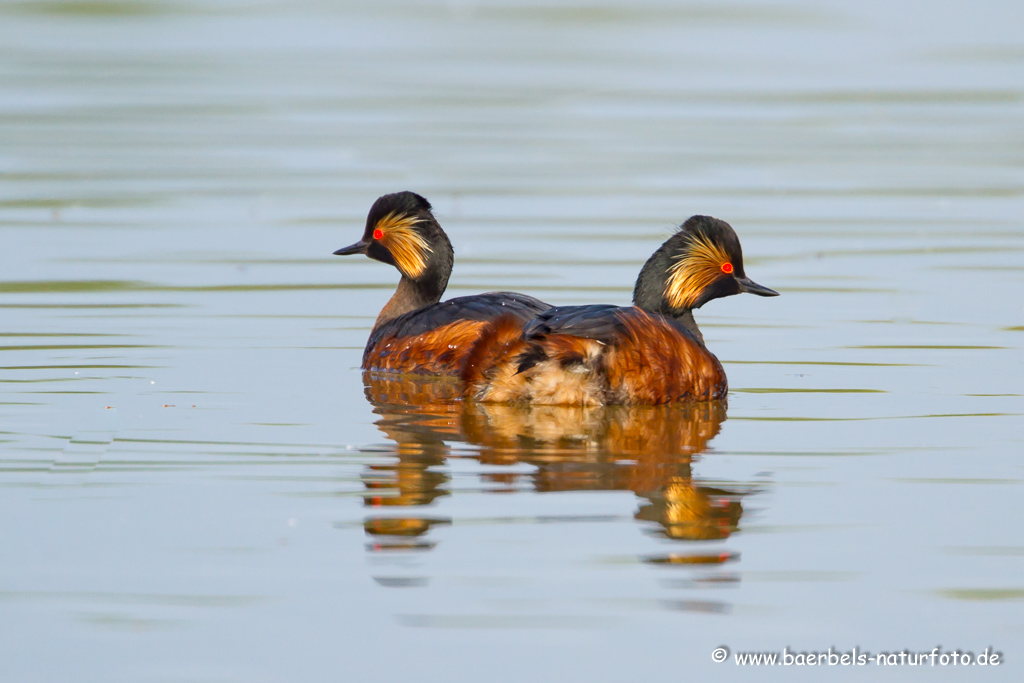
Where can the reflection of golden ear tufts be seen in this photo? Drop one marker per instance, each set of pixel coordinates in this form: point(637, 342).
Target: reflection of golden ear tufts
point(691, 512)
point(408, 247)
point(694, 271)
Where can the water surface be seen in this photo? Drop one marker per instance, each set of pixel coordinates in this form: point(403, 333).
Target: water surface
point(197, 485)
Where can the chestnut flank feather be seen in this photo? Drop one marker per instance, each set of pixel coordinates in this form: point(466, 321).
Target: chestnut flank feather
point(440, 351)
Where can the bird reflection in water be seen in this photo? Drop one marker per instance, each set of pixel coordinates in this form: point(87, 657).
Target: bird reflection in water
point(648, 450)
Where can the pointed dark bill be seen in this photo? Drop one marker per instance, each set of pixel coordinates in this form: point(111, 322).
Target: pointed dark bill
point(748, 285)
point(357, 248)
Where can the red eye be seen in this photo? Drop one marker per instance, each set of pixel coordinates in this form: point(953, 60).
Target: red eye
point(379, 234)
point(726, 267)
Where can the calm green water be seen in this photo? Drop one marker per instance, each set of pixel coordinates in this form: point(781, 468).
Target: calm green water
point(195, 485)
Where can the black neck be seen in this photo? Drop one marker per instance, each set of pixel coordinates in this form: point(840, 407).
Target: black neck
point(410, 296)
point(649, 293)
point(685, 318)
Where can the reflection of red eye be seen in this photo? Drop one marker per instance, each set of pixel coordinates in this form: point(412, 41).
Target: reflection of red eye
point(379, 234)
point(726, 267)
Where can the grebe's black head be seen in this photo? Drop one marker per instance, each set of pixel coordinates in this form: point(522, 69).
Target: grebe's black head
point(701, 262)
point(401, 230)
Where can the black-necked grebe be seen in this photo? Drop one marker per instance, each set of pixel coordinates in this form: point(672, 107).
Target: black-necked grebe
point(415, 331)
point(651, 352)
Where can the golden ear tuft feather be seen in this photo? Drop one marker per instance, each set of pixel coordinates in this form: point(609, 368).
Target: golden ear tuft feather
point(408, 247)
point(695, 270)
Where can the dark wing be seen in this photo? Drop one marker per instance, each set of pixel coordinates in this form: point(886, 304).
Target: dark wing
point(599, 322)
point(482, 307)
point(556, 327)
point(557, 331)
